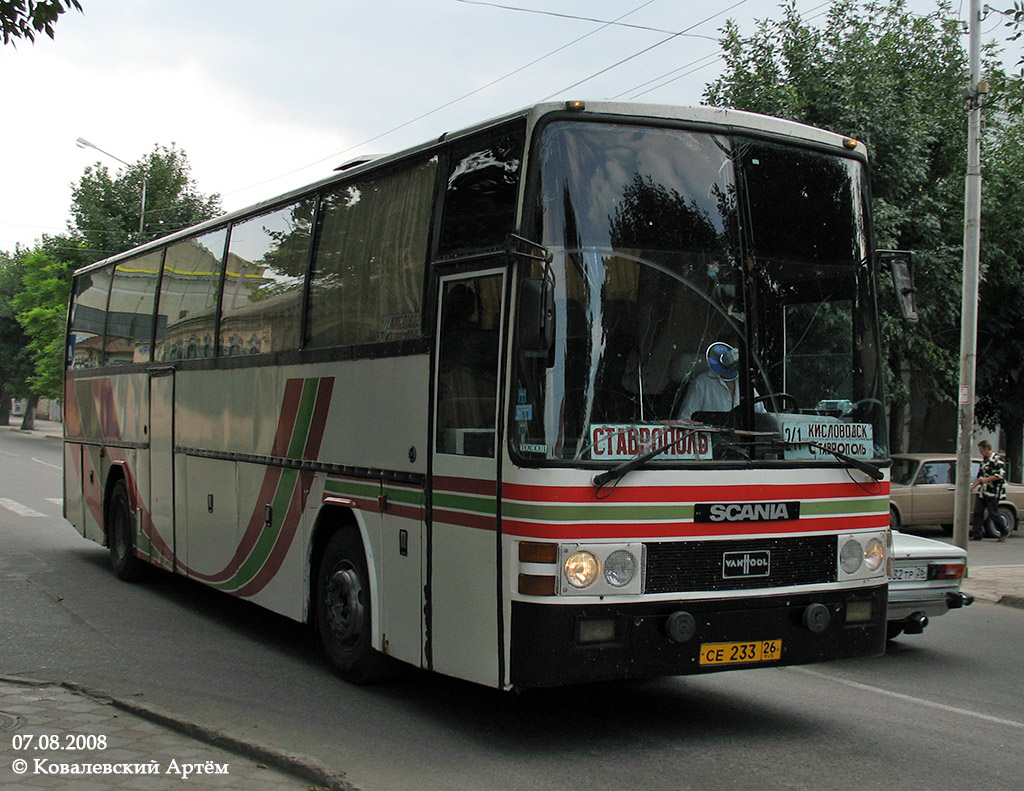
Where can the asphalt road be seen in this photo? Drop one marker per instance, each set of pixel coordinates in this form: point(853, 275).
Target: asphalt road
point(941, 710)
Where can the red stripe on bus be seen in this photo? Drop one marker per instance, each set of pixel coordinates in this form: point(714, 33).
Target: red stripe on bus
point(460, 519)
point(689, 494)
point(444, 483)
point(638, 531)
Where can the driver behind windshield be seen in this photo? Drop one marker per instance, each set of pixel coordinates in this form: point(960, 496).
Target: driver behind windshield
point(716, 389)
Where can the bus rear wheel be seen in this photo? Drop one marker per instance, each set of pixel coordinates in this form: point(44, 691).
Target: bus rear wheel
point(343, 615)
point(121, 536)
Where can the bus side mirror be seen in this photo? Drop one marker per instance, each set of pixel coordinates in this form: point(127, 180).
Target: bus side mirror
point(901, 266)
point(536, 314)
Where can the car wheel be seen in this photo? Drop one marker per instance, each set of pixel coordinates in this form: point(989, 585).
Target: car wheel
point(343, 612)
point(894, 518)
point(1009, 518)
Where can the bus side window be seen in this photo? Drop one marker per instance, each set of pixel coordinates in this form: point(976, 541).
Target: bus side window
point(187, 313)
point(263, 280)
point(468, 366)
point(88, 318)
point(130, 314)
point(482, 192)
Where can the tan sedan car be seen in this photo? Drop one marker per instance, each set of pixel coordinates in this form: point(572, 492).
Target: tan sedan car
point(924, 486)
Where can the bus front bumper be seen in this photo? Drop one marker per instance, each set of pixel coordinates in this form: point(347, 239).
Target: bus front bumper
point(568, 643)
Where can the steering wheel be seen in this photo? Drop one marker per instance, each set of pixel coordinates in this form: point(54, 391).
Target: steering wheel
point(783, 397)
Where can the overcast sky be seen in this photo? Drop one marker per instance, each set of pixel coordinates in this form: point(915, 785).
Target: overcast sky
point(265, 96)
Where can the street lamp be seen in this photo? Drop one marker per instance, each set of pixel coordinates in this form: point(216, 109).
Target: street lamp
point(83, 143)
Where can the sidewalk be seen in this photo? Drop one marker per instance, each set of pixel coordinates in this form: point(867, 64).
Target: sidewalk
point(56, 737)
point(999, 584)
point(44, 428)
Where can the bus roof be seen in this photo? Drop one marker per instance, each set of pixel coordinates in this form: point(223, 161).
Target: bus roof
point(723, 118)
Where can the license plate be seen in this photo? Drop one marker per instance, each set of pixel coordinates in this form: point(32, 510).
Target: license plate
point(909, 573)
point(732, 653)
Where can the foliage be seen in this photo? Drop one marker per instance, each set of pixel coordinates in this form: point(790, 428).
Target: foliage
point(894, 80)
point(26, 18)
point(1000, 360)
point(41, 309)
point(35, 284)
point(15, 362)
point(105, 210)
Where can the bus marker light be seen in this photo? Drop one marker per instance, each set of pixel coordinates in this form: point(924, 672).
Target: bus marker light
point(536, 585)
point(536, 552)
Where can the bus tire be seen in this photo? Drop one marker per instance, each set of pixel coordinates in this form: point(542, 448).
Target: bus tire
point(121, 536)
point(343, 611)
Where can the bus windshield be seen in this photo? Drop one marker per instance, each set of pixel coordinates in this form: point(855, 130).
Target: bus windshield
point(713, 294)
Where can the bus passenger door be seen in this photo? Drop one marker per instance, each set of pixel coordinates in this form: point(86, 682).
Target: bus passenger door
point(463, 632)
point(161, 544)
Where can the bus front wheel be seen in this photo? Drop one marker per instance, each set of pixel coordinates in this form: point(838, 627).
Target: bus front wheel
point(343, 611)
point(120, 535)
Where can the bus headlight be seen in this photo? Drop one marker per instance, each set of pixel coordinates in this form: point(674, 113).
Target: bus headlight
point(874, 555)
point(851, 556)
point(582, 568)
point(601, 569)
point(862, 555)
point(620, 567)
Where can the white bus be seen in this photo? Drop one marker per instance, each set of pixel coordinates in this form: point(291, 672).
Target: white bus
point(548, 400)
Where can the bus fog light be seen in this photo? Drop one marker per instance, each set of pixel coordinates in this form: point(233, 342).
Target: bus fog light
point(851, 556)
point(874, 555)
point(620, 568)
point(600, 630)
point(582, 568)
point(859, 611)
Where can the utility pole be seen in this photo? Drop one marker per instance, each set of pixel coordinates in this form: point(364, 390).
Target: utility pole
point(969, 308)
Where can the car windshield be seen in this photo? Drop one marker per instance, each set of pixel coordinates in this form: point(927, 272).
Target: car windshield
point(903, 470)
point(711, 292)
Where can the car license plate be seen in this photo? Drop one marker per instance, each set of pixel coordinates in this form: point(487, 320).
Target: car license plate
point(901, 574)
point(731, 653)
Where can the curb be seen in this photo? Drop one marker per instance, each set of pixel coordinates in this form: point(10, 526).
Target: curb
point(1012, 601)
point(302, 766)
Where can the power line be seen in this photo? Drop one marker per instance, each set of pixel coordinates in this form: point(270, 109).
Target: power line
point(644, 51)
point(577, 18)
point(453, 101)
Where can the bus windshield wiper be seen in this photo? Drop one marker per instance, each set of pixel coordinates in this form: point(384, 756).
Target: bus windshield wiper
point(864, 466)
point(615, 473)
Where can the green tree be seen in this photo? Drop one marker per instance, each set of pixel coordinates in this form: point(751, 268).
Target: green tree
point(894, 80)
point(42, 311)
point(27, 18)
point(35, 284)
point(105, 209)
point(15, 361)
point(1000, 360)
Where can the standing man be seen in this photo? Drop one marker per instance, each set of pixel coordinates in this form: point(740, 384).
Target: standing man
point(991, 478)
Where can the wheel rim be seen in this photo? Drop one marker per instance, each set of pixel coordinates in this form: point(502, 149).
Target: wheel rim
point(344, 604)
point(120, 537)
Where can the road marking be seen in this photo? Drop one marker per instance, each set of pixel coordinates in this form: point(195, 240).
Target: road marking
point(910, 698)
point(18, 508)
point(56, 500)
point(46, 463)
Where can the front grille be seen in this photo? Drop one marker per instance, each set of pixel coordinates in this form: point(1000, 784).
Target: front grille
point(675, 566)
